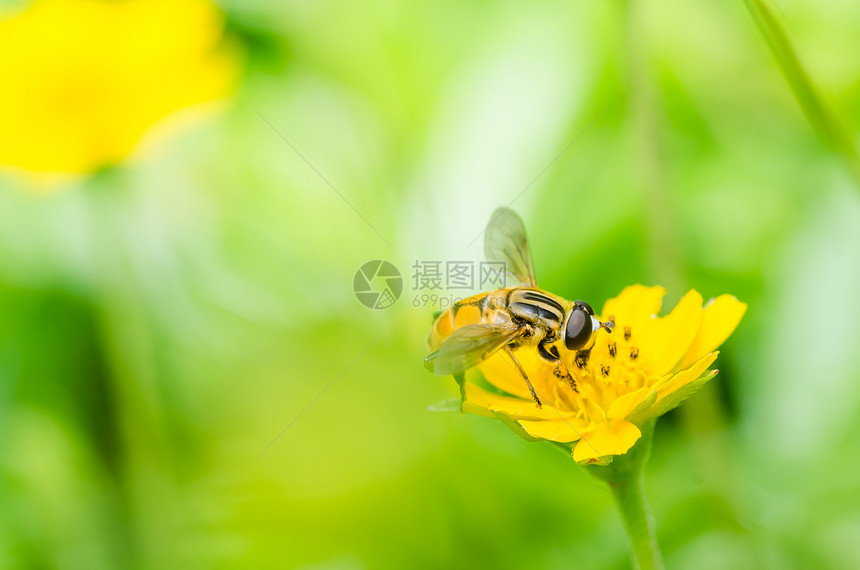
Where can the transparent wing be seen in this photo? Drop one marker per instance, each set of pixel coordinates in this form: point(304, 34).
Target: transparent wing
point(470, 345)
point(505, 240)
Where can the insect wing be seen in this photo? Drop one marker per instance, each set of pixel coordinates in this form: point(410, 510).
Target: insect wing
point(505, 240)
point(470, 345)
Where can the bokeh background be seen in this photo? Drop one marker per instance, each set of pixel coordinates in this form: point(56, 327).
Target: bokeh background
point(186, 379)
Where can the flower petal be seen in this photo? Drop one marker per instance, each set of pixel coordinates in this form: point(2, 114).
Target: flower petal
point(613, 438)
point(500, 371)
point(634, 303)
point(561, 430)
point(719, 319)
point(667, 339)
point(121, 68)
point(684, 377)
point(481, 402)
point(626, 403)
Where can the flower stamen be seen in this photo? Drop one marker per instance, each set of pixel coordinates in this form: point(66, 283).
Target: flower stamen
point(582, 358)
point(564, 375)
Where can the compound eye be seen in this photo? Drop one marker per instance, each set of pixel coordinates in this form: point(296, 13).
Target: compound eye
point(578, 329)
point(586, 306)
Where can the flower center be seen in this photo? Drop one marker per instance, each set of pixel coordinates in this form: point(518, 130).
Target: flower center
point(610, 368)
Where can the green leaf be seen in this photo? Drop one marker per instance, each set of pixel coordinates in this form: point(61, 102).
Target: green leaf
point(461, 382)
point(827, 123)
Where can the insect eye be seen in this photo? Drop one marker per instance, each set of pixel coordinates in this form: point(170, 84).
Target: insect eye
point(579, 327)
point(586, 306)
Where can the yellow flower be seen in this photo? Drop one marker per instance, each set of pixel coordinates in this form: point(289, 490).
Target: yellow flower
point(84, 79)
point(646, 366)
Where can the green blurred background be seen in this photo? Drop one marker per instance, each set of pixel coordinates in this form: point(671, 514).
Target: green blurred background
point(163, 322)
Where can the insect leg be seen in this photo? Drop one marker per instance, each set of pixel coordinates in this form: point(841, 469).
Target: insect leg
point(560, 370)
point(550, 354)
point(524, 375)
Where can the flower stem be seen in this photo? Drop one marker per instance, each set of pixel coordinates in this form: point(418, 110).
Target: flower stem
point(626, 479)
point(630, 498)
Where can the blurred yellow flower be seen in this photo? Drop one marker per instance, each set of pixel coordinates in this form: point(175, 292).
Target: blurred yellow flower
point(84, 79)
point(646, 366)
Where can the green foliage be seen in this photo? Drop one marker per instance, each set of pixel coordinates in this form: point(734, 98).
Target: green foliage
point(163, 326)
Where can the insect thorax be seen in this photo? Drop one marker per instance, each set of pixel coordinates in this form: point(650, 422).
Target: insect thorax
point(537, 308)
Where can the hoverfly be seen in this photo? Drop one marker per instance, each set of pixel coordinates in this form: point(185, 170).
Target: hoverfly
point(477, 327)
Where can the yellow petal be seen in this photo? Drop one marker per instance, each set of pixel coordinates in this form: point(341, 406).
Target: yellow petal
point(479, 401)
point(626, 403)
point(561, 430)
point(634, 303)
point(613, 438)
point(685, 376)
point(719, 319)
point(500, 371)
point(667, 339)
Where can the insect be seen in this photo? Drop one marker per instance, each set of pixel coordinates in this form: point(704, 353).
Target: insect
point(477, 327)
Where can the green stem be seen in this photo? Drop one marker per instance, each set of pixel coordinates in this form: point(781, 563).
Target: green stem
point(126, 335)
point(633, 506)
point(626, 479)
